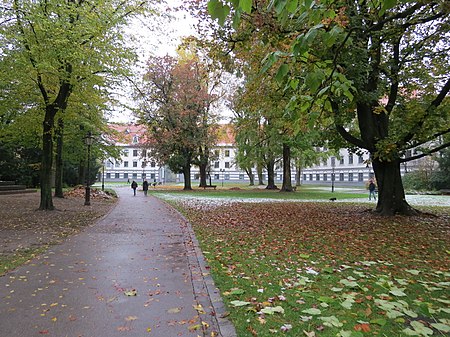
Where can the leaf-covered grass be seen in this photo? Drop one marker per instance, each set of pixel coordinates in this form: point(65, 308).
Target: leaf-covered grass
point(327, 269)
point(247, 193)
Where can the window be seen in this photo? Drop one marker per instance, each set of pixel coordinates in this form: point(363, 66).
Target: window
point(196, 176)
point(134, 175)
point(108, 175)
point(325, 177)
point(227, 176)
point(135, 164)
point(117, 164)
point(153, 164)
point(135, 153)
point(350, 177)
point(360, 160)
point(360, 176)
point(333, 161)
point(227, 164)
point(117, 175)
point(318, 177)
point(310, 176)
point(126, 153)
point(152, 176)
point(216, 153)
point(125, 175)
point(341, 161)
point(125, 164)
point(144, 175)
point(341, 176)
point(227, 153)
point(217, 176)
point(350, 159)
point(216, 164)
point(135, 139)
point(304, 177)
point(241, 176)
point(108, 163)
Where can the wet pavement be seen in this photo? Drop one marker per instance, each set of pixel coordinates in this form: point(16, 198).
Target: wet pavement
point(136, 272)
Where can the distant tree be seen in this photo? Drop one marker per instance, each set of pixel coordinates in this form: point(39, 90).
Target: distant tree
point(175, 105)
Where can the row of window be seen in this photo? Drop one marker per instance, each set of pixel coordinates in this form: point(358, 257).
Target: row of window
point(109, 164)
point(151, 176)
point(342, 160)
point(324, 176)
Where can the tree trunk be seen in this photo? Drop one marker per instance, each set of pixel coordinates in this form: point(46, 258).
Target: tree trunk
point(298, 175)
point(259, 171)
point(391, 194)
point(47, 159)
point(203, 174)
point(271, 176)
point(187, 178)
point(251, 176)
point(287, 184)
point(59, 160)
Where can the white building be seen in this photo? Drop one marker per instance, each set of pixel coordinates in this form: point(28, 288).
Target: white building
point(134, 164)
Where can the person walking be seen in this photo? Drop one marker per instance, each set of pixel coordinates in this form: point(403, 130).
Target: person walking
point(372, 193)
point(134, 185)
point(145, 187)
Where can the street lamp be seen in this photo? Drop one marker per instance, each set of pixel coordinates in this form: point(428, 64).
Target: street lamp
point(223, 175)
point(333, 165)
point(87, 196)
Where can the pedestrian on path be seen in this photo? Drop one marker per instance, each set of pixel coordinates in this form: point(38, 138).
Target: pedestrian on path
point(372, 192)
point(145, 187)
point(134, 185)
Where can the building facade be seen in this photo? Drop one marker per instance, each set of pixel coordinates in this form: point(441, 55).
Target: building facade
point(345, 169)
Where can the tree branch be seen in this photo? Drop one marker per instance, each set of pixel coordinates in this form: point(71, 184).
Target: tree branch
point(424, 154)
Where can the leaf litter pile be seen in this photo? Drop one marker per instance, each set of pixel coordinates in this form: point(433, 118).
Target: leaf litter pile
point(327, 269)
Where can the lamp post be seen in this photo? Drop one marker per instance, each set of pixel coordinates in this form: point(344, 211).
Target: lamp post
point(223, 175)
point(87, 196)
point(333, 165)
point(103, 176)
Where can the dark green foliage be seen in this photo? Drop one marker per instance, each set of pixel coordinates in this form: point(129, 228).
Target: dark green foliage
point(20, 165)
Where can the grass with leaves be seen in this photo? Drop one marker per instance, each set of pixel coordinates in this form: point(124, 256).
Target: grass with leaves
point(326, 269)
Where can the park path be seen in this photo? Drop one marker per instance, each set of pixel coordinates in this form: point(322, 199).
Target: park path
point(136, 272)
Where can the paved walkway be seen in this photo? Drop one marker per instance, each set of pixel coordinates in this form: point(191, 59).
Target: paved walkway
point(137, 272)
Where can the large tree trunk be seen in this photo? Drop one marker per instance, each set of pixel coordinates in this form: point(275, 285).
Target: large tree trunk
point(59, 160)
point(187, 177)
point(47, 159)
point(391, 194)
point(287, 184)
point(203, 174)
point(271, 176)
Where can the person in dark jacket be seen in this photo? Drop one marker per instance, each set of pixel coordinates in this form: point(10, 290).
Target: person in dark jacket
point(145, 187)
point(372, 191)
point(134, 185)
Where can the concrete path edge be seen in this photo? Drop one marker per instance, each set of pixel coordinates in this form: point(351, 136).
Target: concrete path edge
point(205, 291)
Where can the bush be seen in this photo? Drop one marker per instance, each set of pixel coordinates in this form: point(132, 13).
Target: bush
point(416, 181)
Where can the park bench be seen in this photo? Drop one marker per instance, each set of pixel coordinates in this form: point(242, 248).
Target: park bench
point(209, 186)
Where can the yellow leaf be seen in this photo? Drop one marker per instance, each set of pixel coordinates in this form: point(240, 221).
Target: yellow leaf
point(149, 330)
point(54, 319)
point(199, 308)
point(130, 318)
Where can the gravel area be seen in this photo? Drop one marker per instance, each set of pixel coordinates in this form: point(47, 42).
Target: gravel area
point(202, 202)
